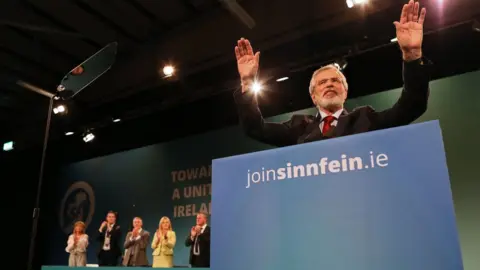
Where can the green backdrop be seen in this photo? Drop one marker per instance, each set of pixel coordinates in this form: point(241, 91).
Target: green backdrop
point(173, 178)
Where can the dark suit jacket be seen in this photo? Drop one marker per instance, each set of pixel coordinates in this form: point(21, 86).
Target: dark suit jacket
point(305, 128)
point(203, 260)
point(115, 235)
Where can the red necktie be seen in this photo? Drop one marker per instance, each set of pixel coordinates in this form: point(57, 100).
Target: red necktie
point(327, 123)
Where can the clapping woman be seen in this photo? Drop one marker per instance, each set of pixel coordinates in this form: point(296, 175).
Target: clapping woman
point(163, 244)
point(77, 245)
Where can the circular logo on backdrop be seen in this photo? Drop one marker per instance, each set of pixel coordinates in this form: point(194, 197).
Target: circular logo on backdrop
point(78, 204)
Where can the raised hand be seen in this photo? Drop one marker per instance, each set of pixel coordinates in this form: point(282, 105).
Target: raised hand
point(103, 225)
point(410, 30)
point(247, 62)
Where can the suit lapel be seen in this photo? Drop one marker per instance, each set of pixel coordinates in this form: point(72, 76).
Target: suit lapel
point(136, 246)
point(312, 132)
point(341, 124)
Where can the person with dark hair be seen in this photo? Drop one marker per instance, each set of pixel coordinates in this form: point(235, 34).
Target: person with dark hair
point(109, 238)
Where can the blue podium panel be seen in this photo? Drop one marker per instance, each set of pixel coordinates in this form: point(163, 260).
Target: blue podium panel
point(373, 201)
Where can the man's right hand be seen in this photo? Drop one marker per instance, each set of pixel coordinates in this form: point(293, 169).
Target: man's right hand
point(247, 62)
point(193, 232)
point(135, 232)
point(102, 226)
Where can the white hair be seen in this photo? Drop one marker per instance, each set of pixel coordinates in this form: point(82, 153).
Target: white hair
point(313, 81)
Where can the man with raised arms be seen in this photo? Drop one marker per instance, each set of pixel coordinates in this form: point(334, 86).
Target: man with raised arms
point(329, 89)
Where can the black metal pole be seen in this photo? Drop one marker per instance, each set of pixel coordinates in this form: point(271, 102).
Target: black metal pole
point(36, 209)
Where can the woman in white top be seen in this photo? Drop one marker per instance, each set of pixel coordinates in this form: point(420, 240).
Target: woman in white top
point(77, 245)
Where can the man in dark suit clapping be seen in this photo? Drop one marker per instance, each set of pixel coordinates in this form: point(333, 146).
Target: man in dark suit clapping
point(329, 88)
point(199, 242)
point(109, 238)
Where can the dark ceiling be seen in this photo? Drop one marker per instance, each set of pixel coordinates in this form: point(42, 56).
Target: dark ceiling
point(41, 40)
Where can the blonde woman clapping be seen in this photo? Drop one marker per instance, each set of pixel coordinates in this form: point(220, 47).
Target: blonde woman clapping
point(163, 244)
point(77, 245)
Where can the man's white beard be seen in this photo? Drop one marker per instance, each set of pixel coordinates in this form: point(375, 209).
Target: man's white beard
point(330, 104)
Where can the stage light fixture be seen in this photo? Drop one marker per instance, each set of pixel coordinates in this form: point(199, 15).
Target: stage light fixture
point(60, 109)
point(71, 84)
point(257, 87)
point(88, 137)
point(8, 146)
point(282, 79)
point(352, 3)
point(69, 133)
point(341, 64)
point(168, 70)
point(116, 120)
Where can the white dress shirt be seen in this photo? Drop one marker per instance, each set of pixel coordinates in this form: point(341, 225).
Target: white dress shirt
point(132, 248)
point(106, 242)
point(196, 248)
point(138, 236)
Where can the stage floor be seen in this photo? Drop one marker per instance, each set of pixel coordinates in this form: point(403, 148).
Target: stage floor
point(63, 267)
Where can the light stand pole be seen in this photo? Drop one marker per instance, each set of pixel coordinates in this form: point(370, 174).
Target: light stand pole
point(71, 84)
point(36, 209)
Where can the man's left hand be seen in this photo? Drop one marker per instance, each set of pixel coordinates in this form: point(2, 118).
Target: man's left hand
point(410, 30)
